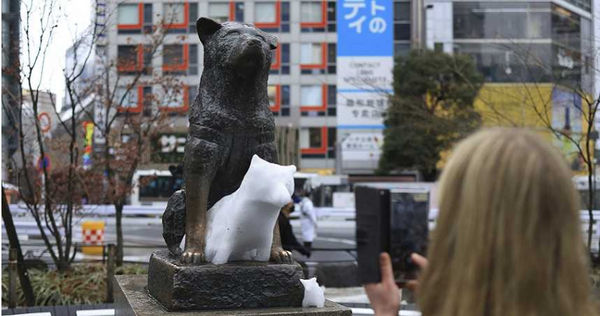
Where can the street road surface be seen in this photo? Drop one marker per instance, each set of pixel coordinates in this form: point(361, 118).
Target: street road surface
point(147, 231)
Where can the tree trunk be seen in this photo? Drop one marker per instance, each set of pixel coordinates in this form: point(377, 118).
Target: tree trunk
point(11, 232)
point(119, 227)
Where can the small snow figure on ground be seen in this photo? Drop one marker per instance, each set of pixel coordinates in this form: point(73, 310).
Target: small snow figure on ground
point(240, 225)
point(313, 294)
point(308, 220)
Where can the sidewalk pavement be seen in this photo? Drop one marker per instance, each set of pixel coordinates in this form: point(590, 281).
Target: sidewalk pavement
point(356, 299)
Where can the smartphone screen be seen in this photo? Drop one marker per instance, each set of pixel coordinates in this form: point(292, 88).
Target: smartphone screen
point(408, 231)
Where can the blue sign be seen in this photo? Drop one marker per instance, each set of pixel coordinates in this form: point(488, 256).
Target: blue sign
point(365, 27)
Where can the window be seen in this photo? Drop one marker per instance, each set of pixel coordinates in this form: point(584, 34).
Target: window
point(193, 60)
point(311, 54)
point(331, 100)
point(272, 16)
point(193, 16)
point(313, 100)
point(238, 11)
point(175, 98)
point(566, 28)
point(174, 13)
point(147, 101)
point(266, 12)
point(402, 21)
point(312, 12)
point(226, 11)
point(281, 60)
point(401, 49)
point(127, 100)
point(314, 142)
point(315, 58)
point(130, 59)
point(314, 138)
point(402, 11)
point(273, 94)
point(511, 63)
point(148, 17)
point(285, 100)
point(219, 11)
point(173, 55)
point(317, 16)
point(401, 31)
point(131, 17)
point(279, 99)
point(311, 96)
point(507, 20)
point(331, 58)
point(180, 59)
point(128, 14)
point(176, 16)
point(331, 16)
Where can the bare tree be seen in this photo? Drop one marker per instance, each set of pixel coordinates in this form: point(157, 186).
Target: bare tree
point(127, 131)
point(547, 91)
point(54, 196)
point(51, 214)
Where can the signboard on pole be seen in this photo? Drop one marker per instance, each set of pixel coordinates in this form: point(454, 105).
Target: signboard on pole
point(88, 128)
point(364, 62)
point(45, 122)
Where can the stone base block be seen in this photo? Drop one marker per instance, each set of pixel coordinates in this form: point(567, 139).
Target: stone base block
point(226, 286)
point(132, 299)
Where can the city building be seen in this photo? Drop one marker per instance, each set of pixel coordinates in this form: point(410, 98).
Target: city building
point(10, 84)
point(535, 56)
point(304, 74)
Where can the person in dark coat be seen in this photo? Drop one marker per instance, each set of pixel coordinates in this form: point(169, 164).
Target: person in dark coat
point(288, 239)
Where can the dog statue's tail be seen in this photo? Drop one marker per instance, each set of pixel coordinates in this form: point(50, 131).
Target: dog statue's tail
point(173, 221)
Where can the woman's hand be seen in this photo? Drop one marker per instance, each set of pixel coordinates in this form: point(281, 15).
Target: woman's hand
point(422, 262)
point(385, 295)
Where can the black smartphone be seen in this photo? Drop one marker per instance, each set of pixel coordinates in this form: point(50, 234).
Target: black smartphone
point(393, 219)
point(408, 231)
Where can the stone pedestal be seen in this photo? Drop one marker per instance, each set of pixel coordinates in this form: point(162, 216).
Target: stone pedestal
point(132, 299)
point(181, 287)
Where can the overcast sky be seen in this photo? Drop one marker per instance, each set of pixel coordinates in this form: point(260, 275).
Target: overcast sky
point(72, 16)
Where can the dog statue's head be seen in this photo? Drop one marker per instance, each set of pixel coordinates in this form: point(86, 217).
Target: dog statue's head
point(237, 47)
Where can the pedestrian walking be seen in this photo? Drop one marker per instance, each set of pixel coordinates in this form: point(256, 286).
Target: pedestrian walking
point(308, 220)
point(286, 233)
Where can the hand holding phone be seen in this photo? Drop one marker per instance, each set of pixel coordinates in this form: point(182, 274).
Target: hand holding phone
point(393, 220)
point(384, 296)
point(422, 262)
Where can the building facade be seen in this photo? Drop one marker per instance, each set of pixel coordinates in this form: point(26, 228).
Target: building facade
point(303, 79)
point(518, 41)
point(537, 58)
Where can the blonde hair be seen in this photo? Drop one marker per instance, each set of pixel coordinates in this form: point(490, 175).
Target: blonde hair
point(507, 240)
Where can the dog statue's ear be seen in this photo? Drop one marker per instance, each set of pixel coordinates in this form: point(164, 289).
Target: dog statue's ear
point(272, 41)
point(206, 28)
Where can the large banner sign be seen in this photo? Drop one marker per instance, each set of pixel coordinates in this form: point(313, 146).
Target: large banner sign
point(364, 62)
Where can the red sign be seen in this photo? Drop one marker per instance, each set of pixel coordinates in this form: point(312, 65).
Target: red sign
point(45, 121)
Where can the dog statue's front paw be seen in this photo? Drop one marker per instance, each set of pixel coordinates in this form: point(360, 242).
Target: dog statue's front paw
point(279, 255)
point(193, 256)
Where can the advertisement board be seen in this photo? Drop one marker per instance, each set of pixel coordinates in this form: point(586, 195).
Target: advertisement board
point(365, 51)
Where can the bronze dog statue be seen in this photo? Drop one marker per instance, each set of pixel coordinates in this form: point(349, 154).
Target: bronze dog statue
point(229, 122)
